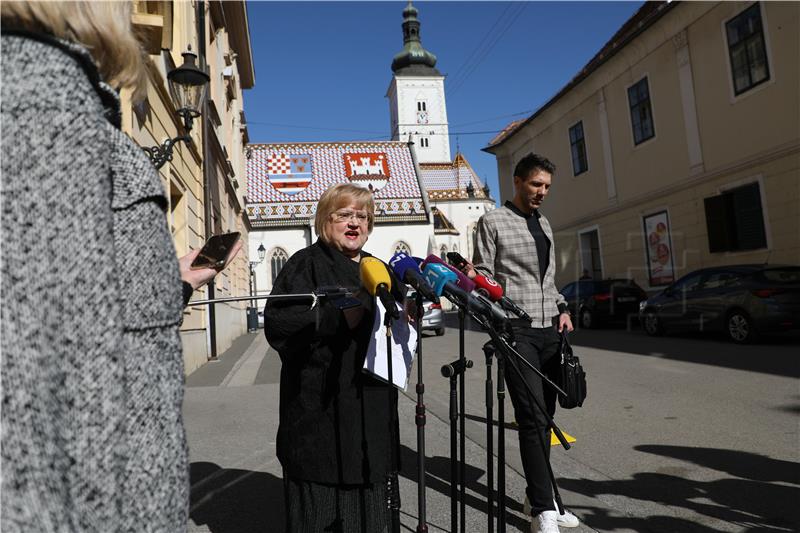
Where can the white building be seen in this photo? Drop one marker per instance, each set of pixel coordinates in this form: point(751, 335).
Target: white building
point(426, 202)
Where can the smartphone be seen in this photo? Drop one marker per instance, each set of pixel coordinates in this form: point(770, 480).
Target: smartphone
point(455, 259)
point(215, 251)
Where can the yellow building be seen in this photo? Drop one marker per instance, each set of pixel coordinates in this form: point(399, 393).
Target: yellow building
point(677, 146)
point(205, 178)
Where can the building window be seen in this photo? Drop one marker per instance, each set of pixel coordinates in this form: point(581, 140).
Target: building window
point(421, 106)
point(278, 259)
point(400, 246)
point(641, 112)
point(578, 149)
point(735, 220)
point(443, 253)
point(747, 50)
point(423, 142)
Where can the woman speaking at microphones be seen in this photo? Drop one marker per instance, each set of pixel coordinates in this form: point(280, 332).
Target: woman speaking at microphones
point(333, 441)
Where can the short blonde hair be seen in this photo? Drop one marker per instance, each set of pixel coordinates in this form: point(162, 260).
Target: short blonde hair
point(103, 27)
point(338, 196)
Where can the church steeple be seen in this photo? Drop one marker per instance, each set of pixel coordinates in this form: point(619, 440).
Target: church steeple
point(413, 59)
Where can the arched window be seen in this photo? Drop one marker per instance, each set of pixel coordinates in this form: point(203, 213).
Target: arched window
point(443, 253)
point(400, 246)
point(278, 259)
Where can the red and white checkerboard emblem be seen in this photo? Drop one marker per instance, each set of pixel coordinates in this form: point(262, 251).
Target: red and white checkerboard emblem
point(289, 174)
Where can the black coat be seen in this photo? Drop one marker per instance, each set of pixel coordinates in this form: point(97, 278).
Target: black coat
point(334, 418)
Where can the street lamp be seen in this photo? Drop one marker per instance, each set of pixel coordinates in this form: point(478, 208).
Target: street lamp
point(262, 252)
point(188, 85)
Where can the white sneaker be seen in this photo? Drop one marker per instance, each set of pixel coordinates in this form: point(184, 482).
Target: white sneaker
point(545, 522)
point(564, 520)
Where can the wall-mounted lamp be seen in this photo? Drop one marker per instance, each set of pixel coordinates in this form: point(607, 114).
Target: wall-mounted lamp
point(188, 85)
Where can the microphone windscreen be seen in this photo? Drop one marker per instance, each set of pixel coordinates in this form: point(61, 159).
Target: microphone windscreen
point(437, 276)
point(400, 263)
point(463, 282)
point(493, 289)
point(373, 274)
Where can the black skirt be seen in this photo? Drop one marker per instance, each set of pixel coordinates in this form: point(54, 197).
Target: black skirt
point(316, 508)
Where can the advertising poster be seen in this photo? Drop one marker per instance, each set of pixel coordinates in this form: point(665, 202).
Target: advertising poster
point(658, 243)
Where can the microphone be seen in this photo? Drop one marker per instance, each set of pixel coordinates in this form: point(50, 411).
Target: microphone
point(494, 292)
point(468, 285)
point(407, 270)
point(445, 281)
point(377, 281)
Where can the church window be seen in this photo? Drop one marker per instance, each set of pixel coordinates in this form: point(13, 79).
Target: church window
point(279, 258)
point(400, 246)
point(423, 142)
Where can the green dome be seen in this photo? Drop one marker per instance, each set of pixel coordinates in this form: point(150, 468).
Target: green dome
point(413, 59)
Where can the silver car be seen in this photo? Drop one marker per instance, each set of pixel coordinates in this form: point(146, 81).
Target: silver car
point(433, 319)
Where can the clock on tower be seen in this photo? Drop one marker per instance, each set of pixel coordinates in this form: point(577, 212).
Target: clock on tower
point(422, 117)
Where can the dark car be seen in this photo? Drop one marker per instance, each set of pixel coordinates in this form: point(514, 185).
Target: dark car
point(742, 301)
point(595, 302)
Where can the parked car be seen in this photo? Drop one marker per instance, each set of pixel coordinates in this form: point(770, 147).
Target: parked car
point(596, 302)
point(742, 301)
point(433, 319)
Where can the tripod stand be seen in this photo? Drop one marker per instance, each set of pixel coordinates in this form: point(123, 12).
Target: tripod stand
point(422, 524)
point(392, 485)
point(500, 347)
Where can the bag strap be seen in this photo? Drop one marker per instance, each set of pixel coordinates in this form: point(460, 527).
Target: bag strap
point(564, 343)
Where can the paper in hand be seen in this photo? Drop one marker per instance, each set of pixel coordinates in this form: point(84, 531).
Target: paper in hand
point(404, 346)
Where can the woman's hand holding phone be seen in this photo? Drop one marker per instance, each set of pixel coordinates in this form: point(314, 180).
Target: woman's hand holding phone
point(197, 277)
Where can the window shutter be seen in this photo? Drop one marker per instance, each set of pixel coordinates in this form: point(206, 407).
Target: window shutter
point(719, 223)
point(750, 234)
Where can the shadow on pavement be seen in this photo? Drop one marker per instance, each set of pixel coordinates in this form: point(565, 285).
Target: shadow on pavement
point(756, 503)
point(437, 476)
point(228, 500)
point(736, 463)
point(774, 355)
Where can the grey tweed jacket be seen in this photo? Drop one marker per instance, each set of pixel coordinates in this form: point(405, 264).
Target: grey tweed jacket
point(506, 251)
point(92, 370)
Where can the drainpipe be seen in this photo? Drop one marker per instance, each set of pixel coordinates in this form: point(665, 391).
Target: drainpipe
point(208, 211)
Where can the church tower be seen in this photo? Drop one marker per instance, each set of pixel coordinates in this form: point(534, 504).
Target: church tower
point(416, 96)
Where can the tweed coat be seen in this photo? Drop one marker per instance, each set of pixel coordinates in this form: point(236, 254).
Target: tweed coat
point(92, 370)
point(506, 251)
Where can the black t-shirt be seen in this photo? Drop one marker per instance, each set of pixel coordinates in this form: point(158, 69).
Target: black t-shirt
point(541, 240)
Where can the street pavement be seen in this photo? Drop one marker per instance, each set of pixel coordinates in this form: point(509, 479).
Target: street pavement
point(688, 434)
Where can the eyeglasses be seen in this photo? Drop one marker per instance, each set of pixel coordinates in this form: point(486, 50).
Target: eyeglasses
point(343, 216)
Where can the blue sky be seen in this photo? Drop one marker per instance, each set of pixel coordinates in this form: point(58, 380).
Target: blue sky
point(323, 68)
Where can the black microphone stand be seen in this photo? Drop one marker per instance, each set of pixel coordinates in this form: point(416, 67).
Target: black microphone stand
point(488, 351)
point(461, 422)
point(453, 371)
point(392, 485)
point(504, 351)
point(422, 523)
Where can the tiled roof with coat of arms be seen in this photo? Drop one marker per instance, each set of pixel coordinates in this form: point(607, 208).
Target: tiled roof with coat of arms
point(450, 180)
point(285, 181)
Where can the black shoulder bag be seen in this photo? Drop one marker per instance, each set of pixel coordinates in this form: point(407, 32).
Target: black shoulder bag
point(571, 376)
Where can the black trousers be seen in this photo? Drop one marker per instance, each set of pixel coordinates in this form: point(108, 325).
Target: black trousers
point(540, 348)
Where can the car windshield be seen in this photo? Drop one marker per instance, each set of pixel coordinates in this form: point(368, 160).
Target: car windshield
point(787, 275)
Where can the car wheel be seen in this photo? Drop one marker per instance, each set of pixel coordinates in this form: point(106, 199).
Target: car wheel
point(587, 319)
point(651, 324)
point(440, 332)
point(740, 328)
